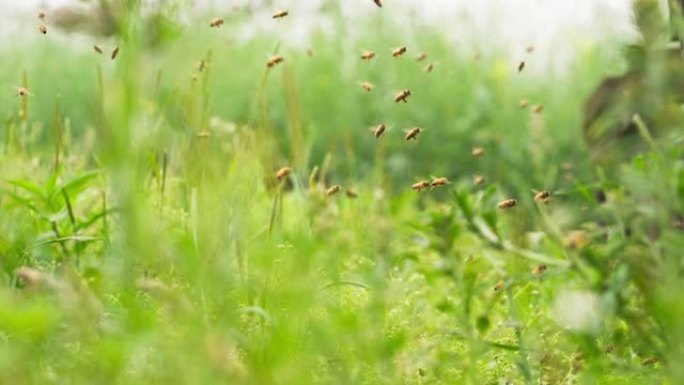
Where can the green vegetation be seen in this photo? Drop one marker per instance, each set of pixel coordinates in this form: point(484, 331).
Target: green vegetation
point(144, 238)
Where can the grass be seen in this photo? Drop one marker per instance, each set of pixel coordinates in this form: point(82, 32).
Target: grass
point(144, 238)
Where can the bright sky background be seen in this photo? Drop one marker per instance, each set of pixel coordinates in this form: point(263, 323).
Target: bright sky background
point(551, 26)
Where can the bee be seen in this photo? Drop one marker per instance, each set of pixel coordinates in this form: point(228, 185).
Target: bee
point(429, 67)
point(542, 196)
point(567, 166)
point(42, 28)
point(367, 86)
point(274, 60)
point(499, 286)
point(401, 96)
point(215, 23)
point(507, 204)
point(421, 57)
point(477, 56)
point(529, 49)
point(439, 182)
point(367, 55)
point(412, 133)
point(523, 103)
point(23, 91)
point(332, 190)
point(378, 3)
point(479, 180)
point(201, 65)
point(419, 186)
point(521, 66)
point(42, 14)
point(576, 239)
point(399, 51)
point(351, 194)
point(280, 14)
point(283, 172)
point(97, 48)
point(539, 269)
point(115, 52)
point(379, 130)
point(538, 108)
point(478, 152)
point(310, 52)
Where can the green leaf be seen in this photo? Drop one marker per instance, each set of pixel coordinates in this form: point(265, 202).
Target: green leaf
point(30, 188)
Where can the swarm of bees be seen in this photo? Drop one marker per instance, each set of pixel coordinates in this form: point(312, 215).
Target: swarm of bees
point(274, 60)
point(332, 190)
point(542, 196)
point(402, 95)
point(215, 23)
point(22, 92)
point(368, 87)
point(422, 185)
point(379, 130)
point(412, 133)
point(478, 152)
point(283, 172)
point(280, 14)
point(507, 204)
point(399, 51)
point(367, 55)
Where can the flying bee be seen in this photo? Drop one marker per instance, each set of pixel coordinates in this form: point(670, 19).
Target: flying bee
point(499, 286)
point(42, 28)
point(567, 166)
point(402, 96)
point(367, 55)
point(539, 269)
point(399, 51)
point(367, 86)
point(378, 3)
point(274, 60)
point(351, 193)
point(97, 48)
point(419, 186)
point(42, 14)
point(439, 182)
point(23, 91)
point(215, 23)
point(280, 14)
point(542, 196)
point(378, 130)
point(310, 51)
point(507, 204)
point(332, 190)
point(421, 57)
point(412, 133)
point(115, 52)
point(523, 103)
point(479, 180)
point(529, 49)
point(576, 239)
point(521, 66)
point(477, 152)
point(201, 65)
point(537, 108)
point(283, 172)
point(429, 67)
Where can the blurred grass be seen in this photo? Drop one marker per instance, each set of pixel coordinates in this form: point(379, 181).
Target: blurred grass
point(162, 269)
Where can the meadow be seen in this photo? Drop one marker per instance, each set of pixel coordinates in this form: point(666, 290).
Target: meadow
point(145, 237)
